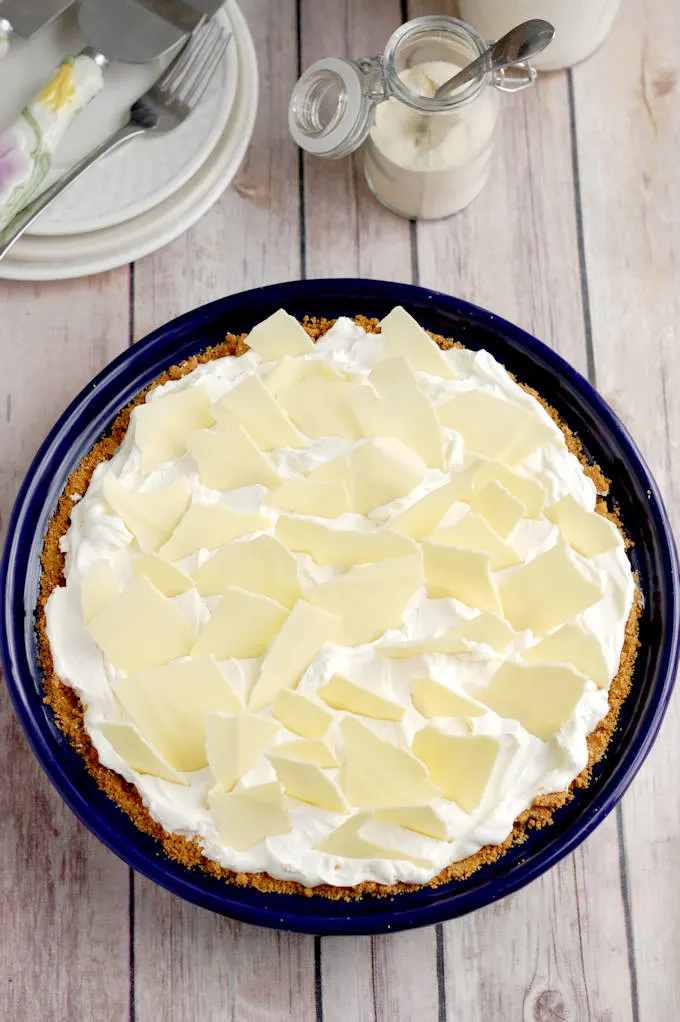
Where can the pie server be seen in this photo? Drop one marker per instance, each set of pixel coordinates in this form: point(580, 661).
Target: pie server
point(26, 17)
point(131, 31)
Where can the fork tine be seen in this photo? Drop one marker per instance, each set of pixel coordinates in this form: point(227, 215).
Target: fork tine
point(177, 69)
point(194, 89)
point(196, 70)
point(193, 66)
point(191, 53)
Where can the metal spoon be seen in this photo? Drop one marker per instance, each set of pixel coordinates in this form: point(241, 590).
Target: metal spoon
point(517, 45)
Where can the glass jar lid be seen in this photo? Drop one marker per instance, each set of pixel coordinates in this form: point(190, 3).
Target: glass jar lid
point(331, 108)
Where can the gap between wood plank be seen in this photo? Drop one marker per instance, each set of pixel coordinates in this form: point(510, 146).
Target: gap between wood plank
point(415, 264)
point(318, 980)
point(374, 986)
point(131, 929)
point(627, 915)
point(441, 967)
point(580, 935)
point(585, 297)
point(131, 306)
point(301, 159)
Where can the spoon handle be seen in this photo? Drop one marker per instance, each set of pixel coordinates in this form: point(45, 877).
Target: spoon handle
point(478, 67)
point(514, 48)
point(5, 33)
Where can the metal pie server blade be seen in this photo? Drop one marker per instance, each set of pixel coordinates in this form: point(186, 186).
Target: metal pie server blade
point(184, 14)
point(138, 31)
point(28, 16)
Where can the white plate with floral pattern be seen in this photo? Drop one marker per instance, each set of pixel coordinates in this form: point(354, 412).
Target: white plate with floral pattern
point(142, 174)
point(64, 256)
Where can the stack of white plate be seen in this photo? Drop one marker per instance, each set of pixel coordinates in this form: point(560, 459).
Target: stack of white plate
point(154, 188)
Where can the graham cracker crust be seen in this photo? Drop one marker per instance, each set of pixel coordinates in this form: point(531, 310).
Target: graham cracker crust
point(69, 711)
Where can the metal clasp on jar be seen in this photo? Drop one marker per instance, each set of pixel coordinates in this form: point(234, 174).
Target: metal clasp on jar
point(515, 78)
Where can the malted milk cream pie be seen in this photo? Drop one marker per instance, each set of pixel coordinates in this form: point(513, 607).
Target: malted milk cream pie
point(337, 608)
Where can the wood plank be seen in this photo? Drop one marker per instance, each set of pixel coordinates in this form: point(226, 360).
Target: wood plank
point(405, 970)
point(555, 950)
point(348, 233)
point(628, 145)
point(515, 251)
point(251, 237)
point(63, 896)
point(191, 965)
point(347, 979)
point(368, 979)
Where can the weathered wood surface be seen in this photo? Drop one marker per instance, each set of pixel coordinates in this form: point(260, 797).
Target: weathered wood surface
point(63, 896)
point(575, 239)
point(628, 143)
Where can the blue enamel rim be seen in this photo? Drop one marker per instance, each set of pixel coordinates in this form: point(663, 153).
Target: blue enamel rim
point(605, 440)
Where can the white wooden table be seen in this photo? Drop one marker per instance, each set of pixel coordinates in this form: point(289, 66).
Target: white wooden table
point(577, 239)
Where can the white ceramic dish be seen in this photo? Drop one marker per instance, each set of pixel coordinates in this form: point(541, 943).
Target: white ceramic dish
point(58, 257)
point(140, 175)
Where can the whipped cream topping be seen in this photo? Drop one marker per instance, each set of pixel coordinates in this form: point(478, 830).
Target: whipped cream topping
point(526, 766)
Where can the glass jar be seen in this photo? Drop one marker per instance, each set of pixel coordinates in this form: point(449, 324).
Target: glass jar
point(581, 26)
point(424, 158)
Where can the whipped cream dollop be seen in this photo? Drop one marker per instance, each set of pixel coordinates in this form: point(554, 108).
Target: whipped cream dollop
point(526, 765)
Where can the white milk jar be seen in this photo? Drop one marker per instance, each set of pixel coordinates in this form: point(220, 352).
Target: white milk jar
point(581, 26)
point(424, 158)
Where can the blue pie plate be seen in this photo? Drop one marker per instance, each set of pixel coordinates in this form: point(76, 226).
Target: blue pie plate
point(605, 440)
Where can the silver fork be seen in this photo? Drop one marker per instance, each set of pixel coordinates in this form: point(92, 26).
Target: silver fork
point(164, 107)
